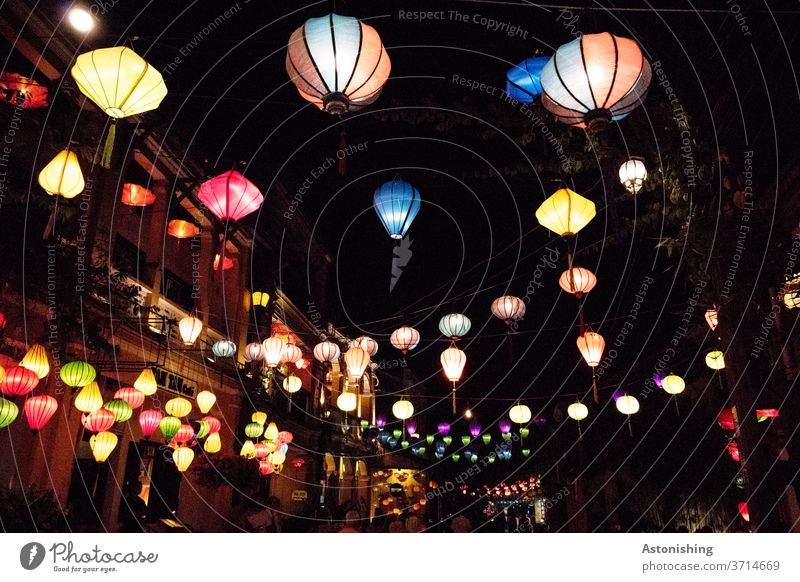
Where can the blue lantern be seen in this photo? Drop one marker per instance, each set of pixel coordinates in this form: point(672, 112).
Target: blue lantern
point(223, 348)
point(522, 80)
point(454, 325)
point(397, 203)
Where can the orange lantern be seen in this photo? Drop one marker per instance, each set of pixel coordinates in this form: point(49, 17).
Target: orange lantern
point(577, 281)
point(711, 318)
point(181, 229)
point(591, 346)
point(357, 361)
point(227, 263)
point(135, 195)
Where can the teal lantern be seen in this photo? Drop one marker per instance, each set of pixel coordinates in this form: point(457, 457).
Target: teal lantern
point(454, 325)
point(121, 410)
point(223, 348)
point(487, 438)
point(8, 412)
point(253, 430)
point(397, 203)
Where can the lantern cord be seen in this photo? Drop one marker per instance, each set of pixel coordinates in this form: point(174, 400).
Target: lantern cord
point(594, 385)
point(108, 147)
point(48, 229)
point(343, 151)
point(677, 408)
point(580, 432)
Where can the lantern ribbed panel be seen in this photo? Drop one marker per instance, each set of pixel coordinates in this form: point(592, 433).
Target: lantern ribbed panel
point(230, 196)
point(453, 362)
point(367, 344)
point(591, 346)
point(632, 175)
point(565, 212)
point(326, 351)
point(190, 328)
point(292, 384)
point(523, 81)
point(403, 409)
point(19, 381)
point(77, 374)
point(36, 361)
point(136, 195)
point(580, 282)
point(454, 325)
point(205, 400)
point(405, 338)
point(146, 382)
point(149, 421)
point(520, 414)
point(577, 411)
point(254, 352)
point(102, 445)
point(213, 424)
point(357, 361)
point(8, 412)
point(397, 204)
point(62, 175)
point(121, 410)
point(98, 421)
point(130, 395)
point(223, 348)
point(179, 407)
point(508, 308)
point(213, 443)
point(39, 410)
point(183, 457)
point(292, 354)
point(274, 348)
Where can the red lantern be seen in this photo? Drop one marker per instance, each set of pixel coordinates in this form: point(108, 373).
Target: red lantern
point(39, 410)
point(744, 511)
point(184, 435)
point(98, 421)
point(712, 318)
point(226, 264)
point(230, 196)
point(762, 413)
point(213, 424)
point(19, 381)
point(22, 91)
point(285, 437)
point(265, 467)
point(149, 421)
point(733, 449)
point(135, 195)
point(181, 229)
point(260, 451)
point(725, 419)
point(130, 395)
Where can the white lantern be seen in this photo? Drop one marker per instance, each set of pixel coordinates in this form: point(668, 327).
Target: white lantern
point(403, 409)
point(367, 344)
point(347, 402)
point(326, 351)
point(274, 348)
point(715, 360)
point(673, 384)
point(357, 361)
point(254, 352)
point(292, 384)
point(205, 400)
point(453, 362)
point(405, 338)
point(627, 405)
point(577, 411)
point(291, 354)
point(520, 414)
point(189, 328)
point(632, 174)
point(508, 308)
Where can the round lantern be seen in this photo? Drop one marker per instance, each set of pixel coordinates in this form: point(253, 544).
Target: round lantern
point(169, 426)
point(19, 381)
point(285, 437)
point(253, 430)
point(213, 443)
point(77, 374)
point(89, 398)
point(254, 352)
point(184, 434)
point(179, 407)
point(453, 362)
point(397, 204)
point(591, 346)
point(130, 395)
point(271, 432)
point(292, 354)
point(121, 410)
point(627, 405)
point(182, 457)
point(577, 281)
point(595, 79)
point(337, 63)
point(403, 409)
point(712, 318)
point(367, 344)
point(8, 412)
point(205, 400)
point(454, 325)
point(347, 402)
point(190, 328)
point(715, 360)
point(292, 384)
point(259, 417)
point(146, 382)
point(357, 361)
point(405, 338)
point(326, 351)
point(520, 414)
point(102, 444)
point(149, 421)
point(565, 212)
point(632, 175)
point(274, 348)
point(523, 81)
point(36, 361)
point(508, 308)
point(135, 195)
point(577, 411)
point(98, 421)
point(230, 196)
point(182, 229)
point(260, 451)
point(62, 176)
point(673, 384)
point(39, 410)
point(223, 348)
point(265, 467)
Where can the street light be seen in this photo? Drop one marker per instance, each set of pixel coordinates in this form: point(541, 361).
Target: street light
point(80, 19)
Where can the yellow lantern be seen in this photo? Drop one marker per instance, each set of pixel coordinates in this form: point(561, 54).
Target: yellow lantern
point(715, 360)
point(260, 298)
point(146, 382)
point(272, 432)
point(205, 400)
point(102, 444)
point(89, 398)
point(248, 449)
point(673, 384)
point(63, 175)
point(277, 458)
point(565, 212)
point(213, 443)
point(292, 384)
point(347, 402)
point(178, 407)
point(36, 361)
point(403, 409)
point(520, 414)
point(259, 417)
point(627, 405)
point(577, 411)
point(183, 457)
point(189, 328)
point(274, 348)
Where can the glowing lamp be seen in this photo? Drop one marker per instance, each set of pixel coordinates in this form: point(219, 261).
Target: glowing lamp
point(135, 195)
point(627, 405)
point(230, 196)
point(380, 421)
point(565, 212)
point(102, 445)
point(184, 434)
point(447, 440)
point(121, 410)
point(519, 414)
point(205, 401)
point(367, 344)
point(179, 407)
point(259, 298)
point(444, 428)
point(673, 384)
point(577, 281)
point(77, 374)
point(347, 402)
point(523, 432)
point(523, 81)
point(292, 384)
point(591, 346)
point(227, 264)
point(508, 308)
point(130, 395)
point(271, 432)
point(213, 443)
point(405, 338)
point(213, 424)
point(285, 437)
point(98, 421)
point(8, 412)
point(182, 229)
point(712, 319)
point(190, 328)
point(169, 426)
point(504, 425)
point(725, 419)
point(277, 457)
point(487, 438)
point(182, 457)
point(36, 361)
point(19, 381)
point(39, 410)
point(403, 409)
point(397, 204)
point(223, 348)
point(733, 450)
point(474, 428)
point(253, 352)
point(357, 361)
point(632, 175)
point(254, 430)
point(202, 430)
point(453, 361)
point(454, 325)
point(291, 354)
point(146, 382)
point(274, 348)
point(149, 421)
point(326, 351)
point(89, 398)
point(744, 511)
point(715, 360)
point(62, 176)
point(248, 449)
point(265, 467)
point(259, 417)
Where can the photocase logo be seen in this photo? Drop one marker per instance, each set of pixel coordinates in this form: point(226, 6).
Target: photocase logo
point(31, 555)
point(402, 255)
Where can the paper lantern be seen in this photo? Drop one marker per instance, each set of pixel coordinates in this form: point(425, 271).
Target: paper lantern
point(523, 81)
point(77, 374)
point(205, 400)
point(444, 428)
point(184, 434)
point(447, 440)
point(715, 360)
point(265, 467)
point(367, 344)
point(764, 413)
point(595, 79)
point(135, 195)
point(326, 351)
point(397, 204)
point(380, 421)
point(190, 328)
point(337, 63)
point(627, 404)
point(292, 384)
point(121, 410)
point(21, 91)
point(285, 437)
point(274, 348)
point(403, 409)
point(260, 451)
point(98, 421)
point(519, 414)
point(411, 426)
point(8, 412)
point(712, 319)
point(181, 229)
point(454, 325)
point(130, 395)
point(565, 212)
point(62, 176)
point(453, 361)
point(182, 457)
point(291, 354)
point(146, 382)
point(39, 410)
point(504, 425)
point(456, 457)
point(277, 458)
point(19, 381)
point(248, 449)
point(347, 402)
point(733, 450)
point(102, 445)
point(673, 384)
point(259, 417)
point(213, 443)
point(149, 421)
point(253, 352)
point(577, 411)
point(89, 398)
point(357, 361)
point(744, 511)
point(227, 264)
point(179, 407)
point(271, 432)
point(487, 438)
point(591, 346)
point(632, 175)
point(725, 419)
point(259, 298)
point(230, 196)
point(405, 338)
point(577, 281)
point(202, 429)
point(223, 348)
point(36, 361)
point(508, 308)
point(253, 430)
point(474, 428)
point(523, 432)
point(169, 426)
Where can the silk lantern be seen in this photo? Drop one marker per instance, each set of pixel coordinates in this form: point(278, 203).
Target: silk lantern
point(347, 402)
point(628, 405)
point(367, 344)
point(291, 354)
point(508, 308)
point(62, 176)
point(98, 421)
point(632, 174)
point(227, 264)
point(253, 352)
point(77, 374)
point(182, 457)
point(565, 212)
point(274, 348)
point(357, 361)
point(88, 399)
point(591, 346)
point(230, 196)
point(178, 407)
point(453, 361)
point(405, 338)
point(205, 400)
point(454, 325)
point(149, 421)
point(190, 328)
point(19, 381)
point(169, 426)
point(121, 410)
point(577, 411)
point(271, 432)
point(102, 445)
point(259, 298)
point(523, 81)
point(36, 361)
point(577, 281)
point(519, 414)
point(135, 195)
point(326, 351)
point(292, 384)
point(184, 434)
point(673, 384)
point(397, 204)
point(715, 360)
point(223, 348)
point(213, 424)
point(39, 410)
point(146, 382)
point(130, 395)
point(22, 92)
point(182, 229)
point(253, 430)
point(259, 417)
point(403, 409)
point(8, 412)
point(213, 443)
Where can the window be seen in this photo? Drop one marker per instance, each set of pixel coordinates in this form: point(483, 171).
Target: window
point(128, 258)
point(177, 290)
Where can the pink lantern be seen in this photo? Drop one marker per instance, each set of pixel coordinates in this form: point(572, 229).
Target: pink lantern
point(130, 395)
point(19, 381)
point(149, 421)
point(98, 421)
point(285, 437)
point(39, 410)
point(184, 435)
point(213, 424)
point(230, 196)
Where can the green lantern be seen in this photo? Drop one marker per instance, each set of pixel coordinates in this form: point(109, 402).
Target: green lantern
point(77, 374)
point(456, 457)
point(465, 440)
point(364, 423)
point(524, 432)
point(121, 410)
point(525, 452)
point(421, 450)
point(740, 482)
point(474, 458)
point(506, 436)
point(447, 440)
point(429, 439)
point(253, 430)
point(492, 457)
point(404, 444)
point(487, 438)
point(8, 412)
point(202, 431)
point(397, 433)
point(169, 426)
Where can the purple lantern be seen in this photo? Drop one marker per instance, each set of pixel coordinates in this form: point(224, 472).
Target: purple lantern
point(505, 425)
point(539, 421)
point(658, 378)
point(411, 426)
point(474, 428)
point(444, 428)
point(617, 395)
point(380, 421)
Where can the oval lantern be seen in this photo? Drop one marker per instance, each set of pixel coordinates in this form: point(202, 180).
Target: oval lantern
point(169, 426)
point(36, 361)
point(190, 328)
point(595, 79)
point(632, 175)
point(182, 229)
point(367, 344)
point(271, 432)
point(453, 361)
point(277, 457)
point(591, 346)
point(337, 63)
point(19, 381)
point(292, 354)
point(205, 400)
point(577, 411)
point(565, 212)
point(62, 176)
point(184, 434)
point(577, 281)
point(254, 352)
point(357, 361)
point(230, 196)
point(149, 421)
point(508, 308)
point(183, 457)
point(260, 451)
point(285, 437)
point(520, 414)
point(39, 410)
point(274, 348)
point(213, 443)
point(77, 374)
point(8, 412)
point(405, 338)
point(673, 384)
point(454, 325)
point(715, 360)
point(130, 395)
point(292, 384)
point(102, 445)
point(397, 204)
point(326, 351)
point(627, 404)
point(88, 399)
point(253, 430)
point(523, 81)
point(403, 409)
point(135, 195)
point(223, 348)
point(121, 410)
point(146, 382)
point(98, 421)
point(265, 467)
point(347, 402)
point(178, 407)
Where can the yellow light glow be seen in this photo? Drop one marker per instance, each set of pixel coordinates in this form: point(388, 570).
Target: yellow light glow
point(520, 414)
point(205, 400)
point(715, 360)
point(213, 443)
point(577, 411)
point(178, 407)
point(63, 175)
point(146, 382)
point(89, 398)
point(183, 457)
point(565, 212)
point(673, 384)
point(36, 361)
point(102, 444)
point(260, 298)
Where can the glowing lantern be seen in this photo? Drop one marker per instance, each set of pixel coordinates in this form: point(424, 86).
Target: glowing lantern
point(292, 384)
point(98, 421)
point(184, 434)
point(764, 413)
point(230, 196)
point(565, 212)
point(711, 318)
point(62, 175)
point(77, 374)
point(291, 354)
point(347, 402)
point(725, 419)
point(380, 421)
point(36, 361)
point(595, 79)
point(285, 437)
point(189, 328)
point(505, 425)
point(3, 321)
point(179, 407)
point(253, 430)
point(121, 410)
point(223, 348)
point(259, 417)
point(456, 457)
point(260, 451)
point(227, 264)
point(523, 432)
point(444, 428)
point(271, 433)
point(508, 308)
point(277, 458)
point(591, 346)
point(19, 381)
point(577, 411)
point(744, 511)
point(397, 204)
point(102, 445)
point(274, 348)
point(454, 325)
point(202, 430)
point(523, 81)
point(169, 426)
point(403, 409)
point(673, 384)
point(8, 412)
point(337, 63)
point(405, 338)
point(357, 361)
point(149, 421)
point(367, 344)
point(135, 195)
point(265, 467)
point(248, 449)
point(715, 360)
point(254, 352)
point(411, 426)
point(259, 298)
point(39, 410)
point(474, 428)
point(627, 405)
point(213, 424)
point(89, 398)
point(487, 438)
point(146, 382)
point(453, 362)
point(182, 457)
point(213, 443)
point(447, 440)
point(182, 229)
point(130, 395)
point(21, 91)
point(205, 400)
point(520, 414)
point(632, 175)
point(577, 281)
point(326, 351)
point(733, 450)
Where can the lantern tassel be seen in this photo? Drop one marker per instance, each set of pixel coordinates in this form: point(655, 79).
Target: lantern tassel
point(342, 152)
point(48, 229)
point(454, 397)
point(677, 409)
point(630, 428)
point(580, 432)
point(108, 147)
point(594, 387)
point(221, 265)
